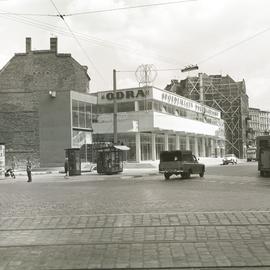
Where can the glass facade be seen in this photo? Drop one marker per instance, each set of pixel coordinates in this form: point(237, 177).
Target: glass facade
point(160, 144)
point(192, 144)
point(182, 143)
point(81, 137)
point(146, 146)
point(81, 114)
point(130, 141)
point(172, 143)
point(130, 103)
point(158, 106)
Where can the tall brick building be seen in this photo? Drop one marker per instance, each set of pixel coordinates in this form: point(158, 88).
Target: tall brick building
point(42, 94)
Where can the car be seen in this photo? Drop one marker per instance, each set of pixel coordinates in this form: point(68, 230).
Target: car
point(229, 158)
point(180, 162)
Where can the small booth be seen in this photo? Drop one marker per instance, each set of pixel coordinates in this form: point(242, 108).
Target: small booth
point(74, 161)
point(110, 158)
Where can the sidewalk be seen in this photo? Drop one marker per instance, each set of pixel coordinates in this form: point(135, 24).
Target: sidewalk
point(130, 169)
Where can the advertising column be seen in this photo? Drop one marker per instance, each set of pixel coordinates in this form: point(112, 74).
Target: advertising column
point(2, 161)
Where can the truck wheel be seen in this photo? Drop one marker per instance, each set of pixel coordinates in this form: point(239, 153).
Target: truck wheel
point(202, 174)
point(167, 176)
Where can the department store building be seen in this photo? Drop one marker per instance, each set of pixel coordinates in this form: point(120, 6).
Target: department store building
point(150, 120)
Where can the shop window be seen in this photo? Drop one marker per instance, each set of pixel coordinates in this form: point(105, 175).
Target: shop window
point(164, 108)
point(182, 142)
point(82, 114)
point(108, 108)
point(160, 145)
point(75, 113)
point(88, 118)
point(130, 141)
point(126, 107)
point(157, 106)
point(146, 147)
point(171, 143)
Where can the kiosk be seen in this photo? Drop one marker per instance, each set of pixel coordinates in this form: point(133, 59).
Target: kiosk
point(74, 161)
point(110, 159)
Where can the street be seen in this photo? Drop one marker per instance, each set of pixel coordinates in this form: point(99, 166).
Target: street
point(94, 221)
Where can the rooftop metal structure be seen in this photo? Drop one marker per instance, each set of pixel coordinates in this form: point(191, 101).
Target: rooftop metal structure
point(226, 95)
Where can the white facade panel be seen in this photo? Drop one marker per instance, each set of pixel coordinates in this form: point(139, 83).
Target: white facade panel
point(179, 124)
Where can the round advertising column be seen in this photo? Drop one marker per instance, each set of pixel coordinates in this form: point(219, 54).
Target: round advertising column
point(74, 161)
point(2, 161)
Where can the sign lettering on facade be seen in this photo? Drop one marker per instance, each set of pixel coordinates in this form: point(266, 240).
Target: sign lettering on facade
point(130, 94)
point(188, 104)
point(152, 93)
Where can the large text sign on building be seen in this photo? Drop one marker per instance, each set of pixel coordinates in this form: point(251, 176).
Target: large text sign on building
point(153, 93)
point(179, 101)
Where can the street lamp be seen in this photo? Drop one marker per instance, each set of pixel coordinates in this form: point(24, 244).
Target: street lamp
point(114, 109)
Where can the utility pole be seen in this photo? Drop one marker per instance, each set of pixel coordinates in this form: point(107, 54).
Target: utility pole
point(114, 109)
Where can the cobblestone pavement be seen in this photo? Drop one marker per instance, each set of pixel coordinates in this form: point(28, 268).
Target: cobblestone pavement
point(100, 222)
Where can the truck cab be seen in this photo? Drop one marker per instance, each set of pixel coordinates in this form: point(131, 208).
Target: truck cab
point(178, 162)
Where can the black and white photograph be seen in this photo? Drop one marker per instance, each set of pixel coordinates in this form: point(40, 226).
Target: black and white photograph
point(134, 134)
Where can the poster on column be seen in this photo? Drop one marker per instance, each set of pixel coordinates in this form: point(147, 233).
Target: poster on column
point(2, 161)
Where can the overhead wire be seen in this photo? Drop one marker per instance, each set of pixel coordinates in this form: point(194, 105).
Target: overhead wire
point(79, 43)
point(128, 7)
point(234, 45)
point(92, 39)
point(97, 11)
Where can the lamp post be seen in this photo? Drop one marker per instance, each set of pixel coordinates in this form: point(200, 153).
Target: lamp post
point(114, 109)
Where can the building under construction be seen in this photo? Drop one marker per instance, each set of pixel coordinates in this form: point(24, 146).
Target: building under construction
point(226, 95)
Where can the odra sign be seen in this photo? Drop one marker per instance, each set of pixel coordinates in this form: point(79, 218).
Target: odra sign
point(129, 94)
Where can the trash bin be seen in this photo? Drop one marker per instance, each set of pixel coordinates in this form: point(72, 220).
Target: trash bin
point(74, 161)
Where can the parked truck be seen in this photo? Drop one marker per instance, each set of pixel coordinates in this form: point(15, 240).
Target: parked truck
point(180, 162)
point(263, 154)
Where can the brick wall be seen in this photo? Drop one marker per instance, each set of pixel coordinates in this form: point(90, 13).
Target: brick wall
point(24, 79)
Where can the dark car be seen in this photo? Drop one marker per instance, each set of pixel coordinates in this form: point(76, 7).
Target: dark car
point(182, 163)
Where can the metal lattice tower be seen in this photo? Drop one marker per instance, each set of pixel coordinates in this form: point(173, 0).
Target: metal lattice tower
point(226, 95)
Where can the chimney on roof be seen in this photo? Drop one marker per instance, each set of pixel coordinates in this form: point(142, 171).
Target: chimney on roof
point(53, 44)
point(28, 44)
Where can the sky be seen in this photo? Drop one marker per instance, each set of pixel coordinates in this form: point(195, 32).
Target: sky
point(220, 36)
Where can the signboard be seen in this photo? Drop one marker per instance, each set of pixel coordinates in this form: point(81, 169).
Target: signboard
point(2, 161)
point(153, 93)
point(123, 95)
point(182, 102)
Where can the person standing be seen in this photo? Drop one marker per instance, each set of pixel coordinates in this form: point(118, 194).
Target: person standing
point(13, 166)
point(29, 169)
point(66, 167)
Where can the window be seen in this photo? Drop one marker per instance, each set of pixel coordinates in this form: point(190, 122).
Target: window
point(146, 147)
point(160, 144)
point(81, 114)
point(75, 113)
point(126, 107)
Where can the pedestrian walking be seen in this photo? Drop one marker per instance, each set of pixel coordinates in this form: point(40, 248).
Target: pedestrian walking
point(66, 167)
point(29, 169)
point(13, 166)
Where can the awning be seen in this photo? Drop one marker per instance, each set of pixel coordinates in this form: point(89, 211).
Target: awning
point(121, 147)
